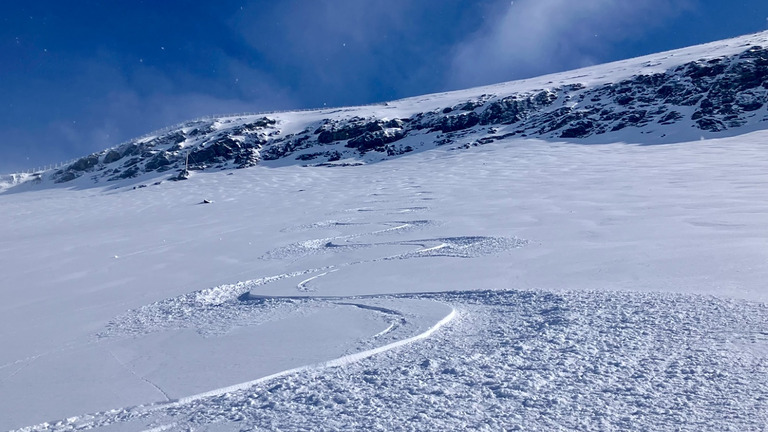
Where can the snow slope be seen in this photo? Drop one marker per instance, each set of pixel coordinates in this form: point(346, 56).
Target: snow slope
point(530, 284)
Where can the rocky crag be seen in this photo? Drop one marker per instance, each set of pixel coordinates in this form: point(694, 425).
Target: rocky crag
point(710, 96)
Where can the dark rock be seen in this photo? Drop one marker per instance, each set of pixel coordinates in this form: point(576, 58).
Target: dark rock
point(202, 130)
point(699, 70)
point(85, 163)
point(132, 149)
point(469, 106)
point(667, 90)
point(456, 122)
point(283, 148)
point(395, 124)
point(158, 161)
point(132, 162)
point(652, 80)
point(309, 156)
point(691, 100)
point(360, 133)
point(579, 129)
point(574, 87)
point(346, 132)
point(636, 117)
point(177, 137)
point(247, 158)
point(561, 118)
point(710, 124)
point(66, 176)
point(671, 117)
point(748, 75)
point(393, 150)
point(255, 126)
point(374, 140)
point(327, 137)
point(218, 151)
point(112, 156)
point(514, 109)
point(130, 173)
point(749, 101)
point(182, 175)
point(623, 90)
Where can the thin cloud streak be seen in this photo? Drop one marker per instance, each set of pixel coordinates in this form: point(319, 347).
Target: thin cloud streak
point(526, 38)
point(341, 52)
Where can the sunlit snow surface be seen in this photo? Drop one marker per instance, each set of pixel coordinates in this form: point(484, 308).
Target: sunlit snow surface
point(520, 285)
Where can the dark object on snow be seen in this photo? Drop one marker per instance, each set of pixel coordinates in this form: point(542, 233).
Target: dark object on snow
point(183, 175)
point(205, 201)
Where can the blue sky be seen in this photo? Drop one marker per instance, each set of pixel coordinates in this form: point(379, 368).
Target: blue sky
point(82, 75)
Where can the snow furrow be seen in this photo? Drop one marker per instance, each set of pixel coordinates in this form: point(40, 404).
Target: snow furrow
point(341, 361)
point(90, 421)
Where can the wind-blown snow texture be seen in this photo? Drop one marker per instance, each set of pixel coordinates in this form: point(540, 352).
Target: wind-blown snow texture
point(496, 282)
point(520, 361)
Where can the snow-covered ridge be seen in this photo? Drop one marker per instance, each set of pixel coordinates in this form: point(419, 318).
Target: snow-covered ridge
point(703, 91)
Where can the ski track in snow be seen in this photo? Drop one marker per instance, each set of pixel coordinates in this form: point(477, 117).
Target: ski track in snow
point(90, 421)
point(514, 360)
point(133, 372)
point(216, 310)
point(302, 286)
point(519, 360)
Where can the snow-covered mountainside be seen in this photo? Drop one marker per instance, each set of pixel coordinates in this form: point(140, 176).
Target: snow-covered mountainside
point(510, 278)
point(706, 91)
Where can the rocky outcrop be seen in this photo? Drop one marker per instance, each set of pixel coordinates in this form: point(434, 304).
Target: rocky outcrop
point(112, 156)
point(375, 141)
point(712, 95)
point(197, 146)
point(513, 109)
point(84, 164)
point(353, 128)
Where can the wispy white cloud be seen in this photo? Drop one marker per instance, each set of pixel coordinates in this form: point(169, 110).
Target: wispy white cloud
point(352, 51)
point(525, 38)
point(129, 105)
